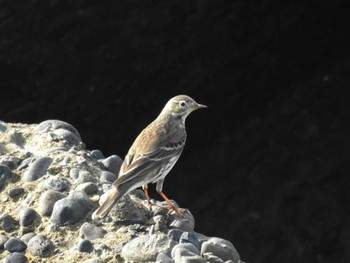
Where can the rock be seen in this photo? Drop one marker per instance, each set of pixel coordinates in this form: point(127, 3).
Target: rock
point(159, 223)
point(221, 248)
point(27, 216)
point(3, 128)
point(190, 237)
point(82, 176)
point(175, 234)
point(112, 163)
point(25, 163)
point(57, 124)
point(91, 232)
point(64, 135)
point(37, 169)
point(47, 201)
point(89, 188)
point(146, 247)
point(56, 184)
point(190, 259)
point(185, 223)
point(40, 246)
point(15, 257)
point(93, 260)
point(184, 249)
point(97, 154)
point(210, 258)
point(163, 258)
point(7, 223)
point(15, 192)
point(86, 246)
point(15, 245)
point(5, 174)
point(3, 240)
point(26, 237)
point(106, 176)
point(71, 209)
point(10, 161)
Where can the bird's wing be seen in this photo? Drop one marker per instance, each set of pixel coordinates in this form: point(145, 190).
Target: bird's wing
point(147, 151)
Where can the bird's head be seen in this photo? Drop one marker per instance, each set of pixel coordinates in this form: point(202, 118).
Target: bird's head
point(181, 106)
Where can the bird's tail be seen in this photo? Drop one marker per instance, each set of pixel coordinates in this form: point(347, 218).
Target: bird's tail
point(108, 204)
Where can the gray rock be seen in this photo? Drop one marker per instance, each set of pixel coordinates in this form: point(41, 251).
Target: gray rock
point(27, 216)
point(106, 176)
point(97, 154)
point(25, 163)
point(15, 257)
point(15, 192)
point(163, 258)
point(91, 232)
point(146, 248)
point(89, 188)
point(7, 223)
point(221, 248)
point(190, 237)
point(10, 161)
point(86, 246)
point(15, 245)
point(3, 240)
point(185, 223)
point(159, 223)
point(47, 201)
point(56, 184)
point(185, 249)
point(64, 135)
point(112, 163)
point(26, 237)
point(40, 246)
point(71, 209)
point(57, 124)
point(3, 128)
point(175, 234)
point(84, 177)
point(210, 258)
point(37, 169)
point(5, 174)
point(190, 259)
point(93, 260)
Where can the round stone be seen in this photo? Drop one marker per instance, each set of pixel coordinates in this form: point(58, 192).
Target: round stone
point(85, 246)
point(15, 245)
point(27, 216)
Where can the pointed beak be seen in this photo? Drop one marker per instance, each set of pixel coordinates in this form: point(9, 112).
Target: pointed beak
point(199, 106)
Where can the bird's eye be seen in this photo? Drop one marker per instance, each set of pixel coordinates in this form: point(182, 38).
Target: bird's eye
point(182, 103)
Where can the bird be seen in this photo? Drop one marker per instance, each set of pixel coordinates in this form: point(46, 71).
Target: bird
point(153, 154)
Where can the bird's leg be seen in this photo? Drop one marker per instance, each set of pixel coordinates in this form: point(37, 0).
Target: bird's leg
point(178, 211)
point(149, 202)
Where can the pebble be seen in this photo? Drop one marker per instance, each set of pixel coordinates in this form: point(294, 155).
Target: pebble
point(47, 201)
point(91, 232)
point(27, 216)
point(10, 161)
point(190, 259)
point(25, 163)
point(64, 135)
point(106, 176)
point(40, 246)
point(209, 257)
point(175, 234)
point(185, 223)
point(5, 173)
point(57, 124)
point(88, 187)
point(86, 246)
point(26, 237)
point(3, 240)
point(15, 191)
point(184, 248)
point(82, 176)
point(112, 163)
point(37, 169)
point(71, 209)
point(15, 245)
point(15, 257)
point(97, 154)
point(7, 223)
point(190, 237)
point(221, 248)
point(147, 247)
point(163, 258)
point(56, 184)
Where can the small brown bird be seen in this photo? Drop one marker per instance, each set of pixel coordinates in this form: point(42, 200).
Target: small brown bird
point(153, 153)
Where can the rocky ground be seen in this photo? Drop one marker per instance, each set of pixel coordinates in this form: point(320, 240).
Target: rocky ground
point(49, 186)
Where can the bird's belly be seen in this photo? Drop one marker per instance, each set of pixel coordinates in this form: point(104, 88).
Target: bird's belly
point(165, 169)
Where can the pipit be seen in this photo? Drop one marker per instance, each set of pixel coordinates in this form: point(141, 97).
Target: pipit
point(153, 153)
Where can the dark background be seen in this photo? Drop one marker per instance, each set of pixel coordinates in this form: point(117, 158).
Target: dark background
point(266, 166)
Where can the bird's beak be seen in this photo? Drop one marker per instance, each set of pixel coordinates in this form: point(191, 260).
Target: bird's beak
point(199, 106)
